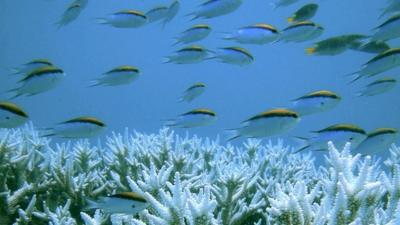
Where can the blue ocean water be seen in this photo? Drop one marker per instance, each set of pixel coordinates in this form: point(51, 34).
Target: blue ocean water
point(281, 71)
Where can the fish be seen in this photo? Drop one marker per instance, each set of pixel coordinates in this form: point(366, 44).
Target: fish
point(11, 115)
point(301, 31)
point(216, 8)
point(374, 47)
point(315, 102)
point(306, 12)
point(39, 81)
point(125, 202)
point(382, 62)
point(193, 92)
point(339, 134)
point(70, 14)
point(120, 75)
point(189, 54)
point(31, 66)
point(335, 45)
point(79, 127)
point(234, 55)
point(268, 123)
point(172, 11)
point(255, 34)
point(156, 14)
point(283, 3)
point(194, 118)
point(377, 141)
point(390, 29)
point(125, 19)
point(378, 87)
point(195, 33)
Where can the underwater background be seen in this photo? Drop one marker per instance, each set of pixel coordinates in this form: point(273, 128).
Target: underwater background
point(281, 71)
point(191, 176)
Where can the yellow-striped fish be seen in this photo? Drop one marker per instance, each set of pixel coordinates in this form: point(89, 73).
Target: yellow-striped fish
point(120, 75)
point(269, 123)
point(11, 115)
point(194, 118)
point(316, 102)
point(128, 203)
point(39, 80)
point(80, 127)
point(339, 134)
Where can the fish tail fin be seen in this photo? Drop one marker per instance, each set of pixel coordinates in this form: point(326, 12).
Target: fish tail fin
point(14, 90)
point(301, 149)
point(15, 71)
point(227, 35)
point(310, 51)
point(193, 15)
point(46, 132)
point(169, 122)
point(101, 20)
point(94, 83)
point(303, 141)
point(166, 60)
point(290, 19)
point(355, 76)
point(232, 134)
point(90, 205)
point(176, 42)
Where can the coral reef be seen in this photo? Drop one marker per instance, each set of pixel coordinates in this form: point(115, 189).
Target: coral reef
point(191, 181)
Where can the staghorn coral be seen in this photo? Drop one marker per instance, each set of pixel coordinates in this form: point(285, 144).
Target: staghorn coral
point(191, 181)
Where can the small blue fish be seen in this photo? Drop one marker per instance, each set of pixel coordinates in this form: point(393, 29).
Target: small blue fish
point(378, 87)
point(118, 76)
point(11, 115)
point(339, 134)
point(195, 33)
point(268, 123)
point(156, 14)
point(215, 8)
point(377, 141)
point(316, 102)
point(80, 127)
point(172, 11)
point(125, 202)
point(388, 30)
point(234, 55)
point(70, 14)
point(194, 118)
point(31, 66)
point(38, 81)
point(254, 34)
point(190, 54)
point(384, 61)
point(125, 19)
point(193, 92)
point(301, 31)
point(374, 47)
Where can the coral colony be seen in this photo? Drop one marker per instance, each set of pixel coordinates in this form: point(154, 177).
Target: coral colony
point(190, 181)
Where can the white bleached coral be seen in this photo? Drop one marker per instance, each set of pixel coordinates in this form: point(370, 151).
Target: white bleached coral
point(191, 181)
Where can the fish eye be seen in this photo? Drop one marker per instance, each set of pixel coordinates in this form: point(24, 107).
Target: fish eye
point(133, 206)
point(351, 138)
point(7, 117)
point(322, 103)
